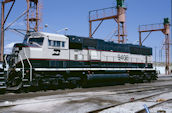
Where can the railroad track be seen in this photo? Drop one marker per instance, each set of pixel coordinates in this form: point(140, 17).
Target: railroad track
point(135, 100)
point(14, 97)
point(118, 91)
point(9, 100)
point(152, 106)
point(141, 89)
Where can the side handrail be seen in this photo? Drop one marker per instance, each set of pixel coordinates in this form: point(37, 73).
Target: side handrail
point(6, 64)
point(29, 64)
point(5, 59)
point(22, 66)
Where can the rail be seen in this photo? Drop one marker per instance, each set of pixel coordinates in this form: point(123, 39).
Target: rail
point(22, 66)
point(102, 13)
point(5, 59)
point(6, 64)
point(151, 27)
point(122, 103)
point(29, 64)
point(154, 105)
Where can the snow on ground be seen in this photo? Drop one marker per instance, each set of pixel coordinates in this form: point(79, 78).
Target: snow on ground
point(73, 102)
point(135, 106)
point(166, 107)
point(127, 108)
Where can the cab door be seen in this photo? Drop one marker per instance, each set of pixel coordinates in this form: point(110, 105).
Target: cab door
point(94, 58)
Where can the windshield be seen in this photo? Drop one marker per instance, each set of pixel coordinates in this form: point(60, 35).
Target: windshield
point(36, 40)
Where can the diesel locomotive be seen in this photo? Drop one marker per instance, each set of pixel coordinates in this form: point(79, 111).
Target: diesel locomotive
point(46, 60)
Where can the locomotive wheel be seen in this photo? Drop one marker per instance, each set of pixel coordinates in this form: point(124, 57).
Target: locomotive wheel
point(131, 80)
point(2, 91)
point(14, 79)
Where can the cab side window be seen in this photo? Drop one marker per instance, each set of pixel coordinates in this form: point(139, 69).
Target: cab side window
point(63, 44)
point(50, 43)
point(54, 43)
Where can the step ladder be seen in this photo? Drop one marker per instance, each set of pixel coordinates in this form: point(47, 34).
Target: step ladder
point(26, 83)
point(2, 80)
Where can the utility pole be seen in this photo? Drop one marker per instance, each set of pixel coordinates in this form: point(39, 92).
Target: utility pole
point(171, 33)
point(2, 31)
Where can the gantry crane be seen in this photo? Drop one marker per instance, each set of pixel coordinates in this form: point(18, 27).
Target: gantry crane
point(165, 29)
point(32, 20)
point(117, 13)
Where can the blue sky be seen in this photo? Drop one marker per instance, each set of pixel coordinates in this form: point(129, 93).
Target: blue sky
point(73, 14)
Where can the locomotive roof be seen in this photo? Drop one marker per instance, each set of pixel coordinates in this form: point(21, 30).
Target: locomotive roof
point(101, 40)
point(46, 34)
point(78, 42)
point(81, 38)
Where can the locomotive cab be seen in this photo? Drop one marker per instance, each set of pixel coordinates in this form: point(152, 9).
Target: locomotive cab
point(38, 47)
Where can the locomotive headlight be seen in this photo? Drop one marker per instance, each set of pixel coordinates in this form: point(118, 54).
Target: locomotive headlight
point(16, 49)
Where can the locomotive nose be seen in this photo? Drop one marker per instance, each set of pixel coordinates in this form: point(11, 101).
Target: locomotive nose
point(18, 46)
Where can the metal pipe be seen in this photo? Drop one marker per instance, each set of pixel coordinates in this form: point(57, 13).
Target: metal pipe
point(102, 9)
point(146, 108)
point(29, 64)
point(140, 38)
point(2, 31)
point(155, 58)
point(16, 20)
point(119, 40)
point(22, 66)
point(9, 11)
point(36, 26)
point(123, 29)
point(146, 37)
point(28, 7)
point(171, 29)
point(96, 28)
point(90, 29)
point(7, 65)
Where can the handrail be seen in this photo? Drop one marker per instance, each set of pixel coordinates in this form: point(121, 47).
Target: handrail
point(22, 66)
point(5, 59)
point(29, 64)
point(151, 27)
point(102, 13)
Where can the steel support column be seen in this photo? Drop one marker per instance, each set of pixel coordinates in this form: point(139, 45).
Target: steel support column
point(140, 38)
point(119, 40)
point(167, 52)
point(28, 7)
point(90, 29)
point(165, 28)
point(2, 31)
point(36, 25)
